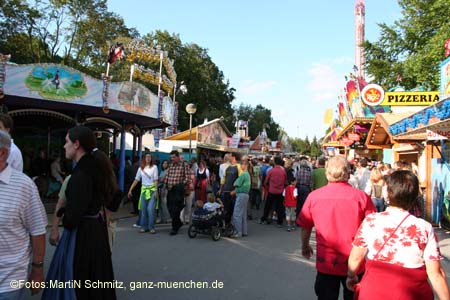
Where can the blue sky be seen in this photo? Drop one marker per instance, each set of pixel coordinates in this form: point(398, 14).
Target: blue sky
point(291, 56)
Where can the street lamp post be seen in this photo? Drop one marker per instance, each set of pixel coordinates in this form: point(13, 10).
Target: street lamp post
point(190, 109)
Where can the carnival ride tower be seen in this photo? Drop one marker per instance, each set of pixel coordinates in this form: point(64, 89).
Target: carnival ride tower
point(359, 37)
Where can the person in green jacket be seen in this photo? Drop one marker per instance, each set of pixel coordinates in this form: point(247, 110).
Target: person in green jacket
point(319, 177)
point(241, 190)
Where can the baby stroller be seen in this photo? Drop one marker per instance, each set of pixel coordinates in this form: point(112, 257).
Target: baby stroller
point(207, 222)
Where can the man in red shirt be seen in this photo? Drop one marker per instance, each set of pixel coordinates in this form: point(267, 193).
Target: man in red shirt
point(336, 211)
point(276, 180)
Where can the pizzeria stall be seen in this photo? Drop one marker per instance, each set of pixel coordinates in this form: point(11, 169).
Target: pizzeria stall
point(426, 133)
point(380, 139)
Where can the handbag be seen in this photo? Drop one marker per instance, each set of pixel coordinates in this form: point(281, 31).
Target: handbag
point(357, 286)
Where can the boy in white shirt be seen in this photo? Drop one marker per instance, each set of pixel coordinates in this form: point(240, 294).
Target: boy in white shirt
point(213, 204)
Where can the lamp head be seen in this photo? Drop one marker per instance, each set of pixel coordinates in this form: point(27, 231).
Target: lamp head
point(191, 108)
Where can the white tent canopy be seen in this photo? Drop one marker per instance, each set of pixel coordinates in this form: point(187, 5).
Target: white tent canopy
point(148, 141)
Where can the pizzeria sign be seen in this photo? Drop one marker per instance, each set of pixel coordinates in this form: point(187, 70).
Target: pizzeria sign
point(374, 95)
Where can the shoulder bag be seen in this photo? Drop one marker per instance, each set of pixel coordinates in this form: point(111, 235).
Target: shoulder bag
point(357, 286)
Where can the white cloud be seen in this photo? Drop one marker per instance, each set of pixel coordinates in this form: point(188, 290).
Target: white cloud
point(342, 60)
point(325, 81)
point(251, 87)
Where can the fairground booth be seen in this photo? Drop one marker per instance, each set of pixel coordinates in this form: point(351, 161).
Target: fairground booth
point(208, 140)
point(349, 129)
point(45, 100)
point(427, 132)
point(392, 125)
point(263, 146)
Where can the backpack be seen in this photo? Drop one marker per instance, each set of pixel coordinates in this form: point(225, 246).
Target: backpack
point(255, 181)
point(377, 191)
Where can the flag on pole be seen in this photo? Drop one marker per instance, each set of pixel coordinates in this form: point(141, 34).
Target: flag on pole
point(115, 52)
point(399, 78)
point(447, 48)
point(328, 117)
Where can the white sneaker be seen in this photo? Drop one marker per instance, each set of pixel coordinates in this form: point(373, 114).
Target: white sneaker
point(136, 226)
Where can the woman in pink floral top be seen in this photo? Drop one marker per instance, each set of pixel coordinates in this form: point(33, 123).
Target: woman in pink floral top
point(402, 250)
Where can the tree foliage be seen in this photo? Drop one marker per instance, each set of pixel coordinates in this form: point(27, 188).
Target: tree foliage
point(206, 83)
point(78, 33)
point(258, 118)
point(305, 147)
point(75, 33)
point(412, 47)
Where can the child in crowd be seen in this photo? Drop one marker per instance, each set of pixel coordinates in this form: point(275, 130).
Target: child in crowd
point(290, 203)
point(198, 204)
point(213, 204)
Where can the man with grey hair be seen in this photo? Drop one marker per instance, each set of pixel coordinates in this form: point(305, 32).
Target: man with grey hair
point(15, 159)
point(22, 226)
point(336, 211)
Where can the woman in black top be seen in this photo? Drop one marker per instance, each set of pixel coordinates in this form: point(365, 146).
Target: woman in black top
point(201, 181)
point(83, 252)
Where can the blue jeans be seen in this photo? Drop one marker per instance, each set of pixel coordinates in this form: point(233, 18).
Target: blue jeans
point(378, 203)
point(18, 294)
point(147, 214)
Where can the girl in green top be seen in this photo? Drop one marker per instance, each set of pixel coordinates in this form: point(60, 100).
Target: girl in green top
point(242, 188)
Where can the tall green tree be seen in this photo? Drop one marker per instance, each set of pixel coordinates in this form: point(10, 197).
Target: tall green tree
point(315, 147)
point(412, 47)
point(206, 83)
point(259, 118)
point(75, 33)
point(18, 28)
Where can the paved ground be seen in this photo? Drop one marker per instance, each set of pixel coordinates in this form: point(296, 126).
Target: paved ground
point(265, 265)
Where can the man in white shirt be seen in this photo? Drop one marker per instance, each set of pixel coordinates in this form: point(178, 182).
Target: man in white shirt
point(362, 174)
point(223, 166)
point(22, 226)
point(15, 156)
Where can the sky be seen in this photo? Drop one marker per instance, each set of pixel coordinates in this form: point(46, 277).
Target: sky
point(290, 56)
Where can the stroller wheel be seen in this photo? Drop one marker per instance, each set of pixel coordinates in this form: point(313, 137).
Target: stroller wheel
point(216, 233)
point(192, 233)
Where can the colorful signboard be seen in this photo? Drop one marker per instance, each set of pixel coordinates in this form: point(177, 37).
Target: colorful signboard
point(212, 134)
point(440, 192)
point(59, 83)
point(445, 78)
point(372, 94)
point(168, 113)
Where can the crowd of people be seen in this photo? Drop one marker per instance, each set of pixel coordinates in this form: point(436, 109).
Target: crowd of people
point(344, 201)
point(370, 237)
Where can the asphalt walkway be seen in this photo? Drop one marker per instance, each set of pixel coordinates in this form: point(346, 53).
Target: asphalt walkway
point(442, 234)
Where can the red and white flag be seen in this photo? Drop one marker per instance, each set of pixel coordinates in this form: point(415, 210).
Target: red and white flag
point(115, 52)
point(447, 48)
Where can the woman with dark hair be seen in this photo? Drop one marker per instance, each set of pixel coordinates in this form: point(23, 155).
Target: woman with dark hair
point(402, 250)
point(201, 181)
point(83, 253)
point(148, 175)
